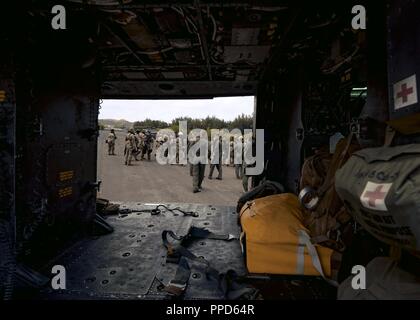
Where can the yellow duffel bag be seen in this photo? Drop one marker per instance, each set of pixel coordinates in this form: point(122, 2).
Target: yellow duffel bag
point(275, 241)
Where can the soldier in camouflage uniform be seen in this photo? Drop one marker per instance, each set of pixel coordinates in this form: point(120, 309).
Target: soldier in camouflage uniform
point(178, 150)
point(130, 146)
point(136, 151)
point(110, 140)
point(142, 138)
point(190, 166)
point(147, 145)
point(238, 166)
point(245, 150)
point(198, 171)
point(231, 153)
point(220, 159)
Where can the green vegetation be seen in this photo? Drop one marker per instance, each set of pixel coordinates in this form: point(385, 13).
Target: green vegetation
point(240, 122)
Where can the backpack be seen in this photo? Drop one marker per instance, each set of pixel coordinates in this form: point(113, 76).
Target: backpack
point(314, 170)
point(325, 215)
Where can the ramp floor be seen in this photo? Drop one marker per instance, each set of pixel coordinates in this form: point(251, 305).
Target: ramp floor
point(130, 263)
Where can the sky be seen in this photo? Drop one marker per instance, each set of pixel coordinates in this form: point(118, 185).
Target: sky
point(167, 110)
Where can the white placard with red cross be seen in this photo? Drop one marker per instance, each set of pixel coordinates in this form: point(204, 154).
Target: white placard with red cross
point(405, 92)
point(374, 194)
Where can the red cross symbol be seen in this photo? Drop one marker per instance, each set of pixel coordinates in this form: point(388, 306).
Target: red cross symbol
point(372, 196)
point(405, 92)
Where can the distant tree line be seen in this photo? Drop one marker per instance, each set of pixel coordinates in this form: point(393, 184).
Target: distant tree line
point(240, 122)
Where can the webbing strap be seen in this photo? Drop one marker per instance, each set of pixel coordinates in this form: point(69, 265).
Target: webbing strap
point(327, 185)
point(389, 136)
point(201, 233)
point(300, 267)
point(335, 234)
point(181, 251)
point(230, 288)
point(305, 240)
point(179, 283)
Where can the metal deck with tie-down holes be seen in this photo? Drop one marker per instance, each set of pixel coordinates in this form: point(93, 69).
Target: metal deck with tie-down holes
point(130, 263)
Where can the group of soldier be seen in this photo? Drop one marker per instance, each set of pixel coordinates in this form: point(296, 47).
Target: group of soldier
point(137, 143)
point(197, 171)
point(141, 143)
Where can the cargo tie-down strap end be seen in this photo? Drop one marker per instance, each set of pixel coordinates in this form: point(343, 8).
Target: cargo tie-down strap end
point(158, 210)
point(305, 242)
point(179, 283)
point(176, 252)
point(202, 233)
point(227, 283)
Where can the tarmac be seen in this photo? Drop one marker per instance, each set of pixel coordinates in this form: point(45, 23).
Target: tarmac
point(149, 182)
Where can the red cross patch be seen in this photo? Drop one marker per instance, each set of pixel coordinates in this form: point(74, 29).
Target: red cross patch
point(405, 92)
point(374, 194)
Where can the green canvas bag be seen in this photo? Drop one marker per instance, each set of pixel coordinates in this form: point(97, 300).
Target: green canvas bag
point(384, 281)
point(380, 188)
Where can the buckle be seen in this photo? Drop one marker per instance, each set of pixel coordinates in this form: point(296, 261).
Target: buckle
point(230, 237)
point(177, 285)
point(308, 198)
point(337, 235)
point(175, 288)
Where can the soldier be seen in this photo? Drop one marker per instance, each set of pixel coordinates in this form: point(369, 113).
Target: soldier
point(219, 164)
point(161, 142)
point(245, 178)
point(130, 146)
point(180, 152)
point(238, 166)
point(145, 145)
point(189, 144)
point(110, 140)
point(148, 145)
point(198, 171)
point(177, 150)
point(142, 138)
point(158, 143)
point(137, 149)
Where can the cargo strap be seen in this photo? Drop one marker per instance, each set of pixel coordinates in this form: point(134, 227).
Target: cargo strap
point(228, 282)
point(179, 283)
point(201, 233)
point(389, 136)
point(176, 253)
point(158, 210)
point(343, 221)
point(305, 241)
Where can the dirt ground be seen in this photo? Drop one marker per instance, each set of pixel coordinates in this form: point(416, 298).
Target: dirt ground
point(148, 181)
